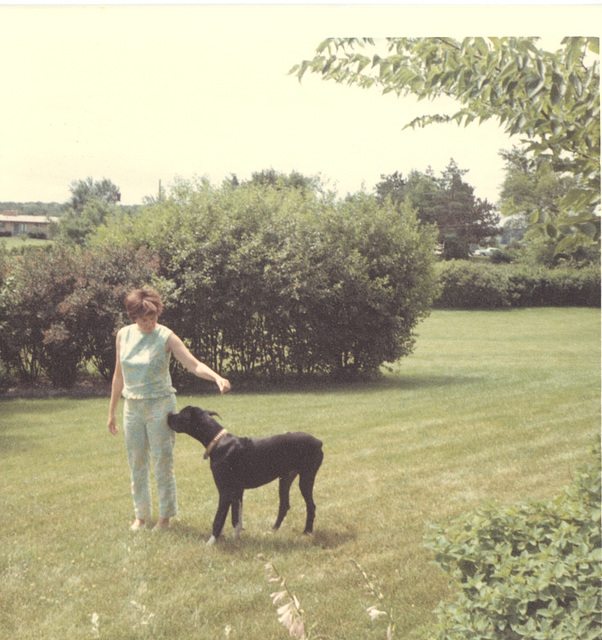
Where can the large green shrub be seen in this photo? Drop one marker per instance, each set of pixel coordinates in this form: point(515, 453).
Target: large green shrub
point(60, 308)
point(265, 280)
point(529, 571)
point(35, 284)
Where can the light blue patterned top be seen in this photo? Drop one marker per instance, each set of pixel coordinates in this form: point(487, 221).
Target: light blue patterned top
point(145, 363)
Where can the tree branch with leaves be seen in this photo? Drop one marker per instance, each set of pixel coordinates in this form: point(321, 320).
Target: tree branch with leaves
point(551, 99)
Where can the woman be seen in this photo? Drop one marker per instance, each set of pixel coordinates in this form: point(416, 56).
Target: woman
point(142, 376)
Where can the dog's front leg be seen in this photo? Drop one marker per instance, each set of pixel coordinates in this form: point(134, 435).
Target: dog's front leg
point(237, 516)
point(220, 517)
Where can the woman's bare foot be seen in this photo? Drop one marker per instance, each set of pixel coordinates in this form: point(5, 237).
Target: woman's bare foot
point(162, 524)
point(138, 524)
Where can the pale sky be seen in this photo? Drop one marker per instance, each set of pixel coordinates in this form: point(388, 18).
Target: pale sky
point(146, 93)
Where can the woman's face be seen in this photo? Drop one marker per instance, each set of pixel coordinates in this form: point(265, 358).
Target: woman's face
point(147, 323)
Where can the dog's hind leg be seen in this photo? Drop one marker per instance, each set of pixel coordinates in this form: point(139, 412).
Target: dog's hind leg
point(306, 485)
point(284, 487)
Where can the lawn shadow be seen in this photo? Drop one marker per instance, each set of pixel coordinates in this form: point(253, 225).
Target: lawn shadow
point(90, 389)
point(83, 389)
point(262, 541)
point(395, 381)
point(13, 444)
point(333, 539)
point(426, 381)
point(190, 532)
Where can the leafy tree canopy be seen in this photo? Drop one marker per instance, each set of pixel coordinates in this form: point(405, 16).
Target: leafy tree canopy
point(531, 190)
point(278, 180)
point(90, 204)
point(85, 191)
point(550, 98)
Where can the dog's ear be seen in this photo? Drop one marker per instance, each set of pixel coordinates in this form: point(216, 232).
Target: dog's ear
point(213, 413)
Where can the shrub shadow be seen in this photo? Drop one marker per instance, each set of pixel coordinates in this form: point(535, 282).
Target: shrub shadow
point(328, 386)
point(88, 389)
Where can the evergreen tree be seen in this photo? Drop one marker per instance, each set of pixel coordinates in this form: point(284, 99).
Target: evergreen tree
point(448, 202)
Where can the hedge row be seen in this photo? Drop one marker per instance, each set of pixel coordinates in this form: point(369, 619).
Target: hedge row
point(258, 281)
point(530, 571)
point(477, 285)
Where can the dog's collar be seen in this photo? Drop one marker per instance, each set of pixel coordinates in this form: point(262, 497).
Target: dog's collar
point(212, 444)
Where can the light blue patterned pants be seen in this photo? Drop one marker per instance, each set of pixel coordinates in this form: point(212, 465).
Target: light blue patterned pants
point(147, 435)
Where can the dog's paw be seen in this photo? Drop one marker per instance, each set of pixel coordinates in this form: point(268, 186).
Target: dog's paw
point(211, 541)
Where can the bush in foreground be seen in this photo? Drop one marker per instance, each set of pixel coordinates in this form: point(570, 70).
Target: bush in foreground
point(532, 570)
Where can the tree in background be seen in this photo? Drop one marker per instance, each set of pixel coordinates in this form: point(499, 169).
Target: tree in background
point(49, 209)
point(90, 204)
point(447, 202)
point(279, 180)
point(83, 191)
point(529, 190)
point(550, 98)
point(294, 180)
point(534, 191)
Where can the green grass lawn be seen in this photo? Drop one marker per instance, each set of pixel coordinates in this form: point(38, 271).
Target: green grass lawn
point(497, 406)
point(15, 242)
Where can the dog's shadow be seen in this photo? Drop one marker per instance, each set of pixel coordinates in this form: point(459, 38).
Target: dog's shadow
point(260, 541)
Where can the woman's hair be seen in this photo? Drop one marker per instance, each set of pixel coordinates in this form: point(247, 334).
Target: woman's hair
point(143, 302)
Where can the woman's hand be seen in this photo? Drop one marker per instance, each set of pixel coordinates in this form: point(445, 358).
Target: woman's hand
point(222, 384)
point(112, 424)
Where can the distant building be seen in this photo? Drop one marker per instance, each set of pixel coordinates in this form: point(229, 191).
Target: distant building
point(13, 224)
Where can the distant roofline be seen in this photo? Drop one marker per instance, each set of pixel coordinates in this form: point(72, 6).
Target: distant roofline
point(28, 219)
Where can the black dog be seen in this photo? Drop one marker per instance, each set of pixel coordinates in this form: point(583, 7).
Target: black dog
point(245, 463)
